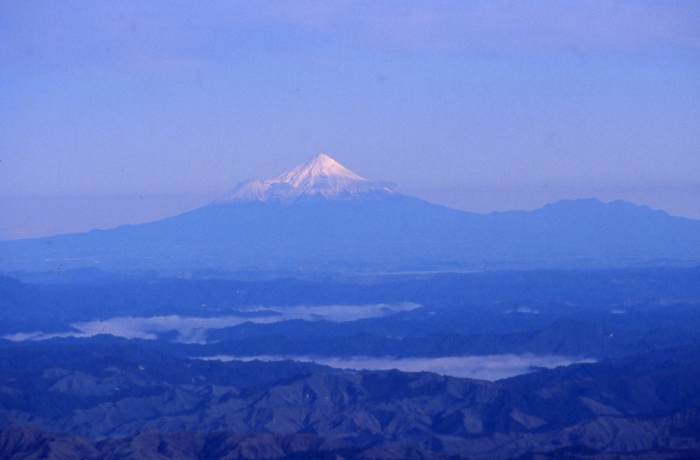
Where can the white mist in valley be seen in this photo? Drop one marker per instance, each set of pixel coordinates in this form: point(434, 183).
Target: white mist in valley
point(194, 330)
point(492, 367)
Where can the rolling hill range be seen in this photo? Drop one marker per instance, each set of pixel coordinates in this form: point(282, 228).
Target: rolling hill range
point(322, 216)
point(645, 406)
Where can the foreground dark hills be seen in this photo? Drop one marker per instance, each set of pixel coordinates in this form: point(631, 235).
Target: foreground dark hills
point(31, 443)
point(81, 395)
point(321, 216)
point(639, 405)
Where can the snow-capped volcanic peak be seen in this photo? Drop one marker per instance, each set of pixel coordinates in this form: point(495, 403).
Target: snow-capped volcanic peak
point(321, 171)
point(319, 177)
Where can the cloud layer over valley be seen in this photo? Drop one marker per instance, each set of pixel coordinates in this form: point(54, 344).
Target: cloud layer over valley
point(493, 367)
point(194, 330)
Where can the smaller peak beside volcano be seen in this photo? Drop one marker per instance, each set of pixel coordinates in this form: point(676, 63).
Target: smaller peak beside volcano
point(319, 177)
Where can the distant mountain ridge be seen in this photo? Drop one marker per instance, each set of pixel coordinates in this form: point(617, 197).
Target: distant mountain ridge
point(321, 216)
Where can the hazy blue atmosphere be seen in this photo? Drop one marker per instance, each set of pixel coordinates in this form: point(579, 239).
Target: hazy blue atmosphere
point(133, 111)
point(318, 265)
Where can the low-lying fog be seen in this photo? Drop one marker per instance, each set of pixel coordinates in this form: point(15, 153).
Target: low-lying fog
point(493, 367)
point(194, 330)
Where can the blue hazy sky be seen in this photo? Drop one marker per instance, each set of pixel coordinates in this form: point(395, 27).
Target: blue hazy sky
point(127, 111)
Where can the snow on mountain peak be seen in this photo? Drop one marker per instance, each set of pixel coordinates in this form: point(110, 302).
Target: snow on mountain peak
point(320, 177)
point(321, 170)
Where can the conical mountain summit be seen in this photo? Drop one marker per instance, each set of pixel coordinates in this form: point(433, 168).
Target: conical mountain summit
point(321, 216)
point(320, 177)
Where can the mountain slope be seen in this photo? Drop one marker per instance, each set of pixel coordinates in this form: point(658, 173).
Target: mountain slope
point(322, 216)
